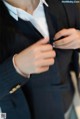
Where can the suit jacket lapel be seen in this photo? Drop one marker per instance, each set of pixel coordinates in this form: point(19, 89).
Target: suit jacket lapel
point(54, 20)
point(52, 24)
point(31, 32)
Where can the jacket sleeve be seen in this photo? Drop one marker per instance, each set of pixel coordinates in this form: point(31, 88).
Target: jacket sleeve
point(10, 80)
point(78, 19)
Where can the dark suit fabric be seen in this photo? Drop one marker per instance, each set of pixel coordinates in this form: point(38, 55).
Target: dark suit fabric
point(44, 96)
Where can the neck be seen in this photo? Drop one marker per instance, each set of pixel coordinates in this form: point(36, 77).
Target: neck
point(27, 5)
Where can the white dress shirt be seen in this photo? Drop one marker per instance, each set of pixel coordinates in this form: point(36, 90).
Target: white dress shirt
point(37, 18)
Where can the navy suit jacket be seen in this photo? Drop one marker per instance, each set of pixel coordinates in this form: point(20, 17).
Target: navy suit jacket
point(44, 96)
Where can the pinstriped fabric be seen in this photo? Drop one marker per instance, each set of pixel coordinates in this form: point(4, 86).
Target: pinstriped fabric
point(8, 72)
point(79, 72)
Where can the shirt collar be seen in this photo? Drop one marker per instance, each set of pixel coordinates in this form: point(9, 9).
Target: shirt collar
point(14, 10)
point(43, 1)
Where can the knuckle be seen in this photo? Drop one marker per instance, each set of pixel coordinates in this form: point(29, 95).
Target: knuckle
point(54, 54)
point(50, 46)
point(47, 68)
point(60, 33)
point(36, 49)
point(73, 29)
point(52, 61)
point(36, 53)
point(64, 30)
point(77, 36)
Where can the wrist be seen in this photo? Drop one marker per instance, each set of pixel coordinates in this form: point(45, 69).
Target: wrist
point(18, 70)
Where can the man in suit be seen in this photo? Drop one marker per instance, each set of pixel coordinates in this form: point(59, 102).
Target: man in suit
point(35, 79)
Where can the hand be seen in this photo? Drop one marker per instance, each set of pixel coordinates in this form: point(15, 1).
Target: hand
point(70, 39)
point(36, 58)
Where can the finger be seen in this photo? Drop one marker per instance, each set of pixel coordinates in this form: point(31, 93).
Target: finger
point(46, 47)
point(64, 41)
point(43, 41)
point(71, 45)
point(49, 54)
point(45, 55)
point(43, 69)
point(45, 62)
point(63, 33)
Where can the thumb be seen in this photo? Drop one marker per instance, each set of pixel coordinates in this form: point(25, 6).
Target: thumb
point(43, 41)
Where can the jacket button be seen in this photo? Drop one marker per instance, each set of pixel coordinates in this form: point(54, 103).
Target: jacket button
point(15, 89)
